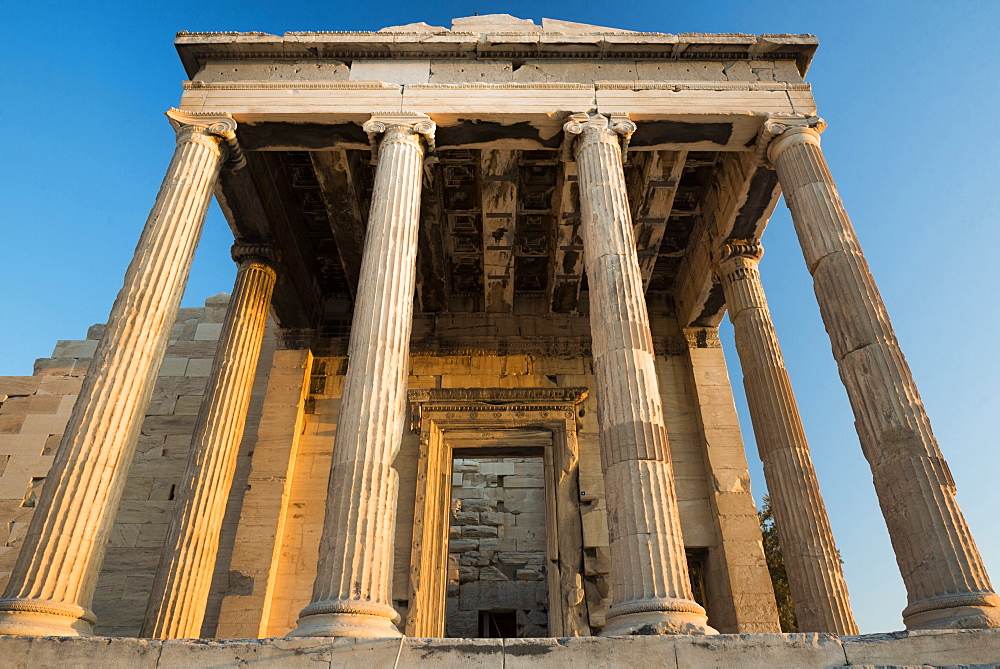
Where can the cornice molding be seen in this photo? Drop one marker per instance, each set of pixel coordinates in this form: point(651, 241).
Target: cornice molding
point(250, 85)
point(678, 86)
point(477, 403)
point(197, 48)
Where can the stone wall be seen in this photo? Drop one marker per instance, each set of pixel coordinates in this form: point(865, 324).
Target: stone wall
point(267, 560)
point(33, 413)
point(32, 418)
point(497, 548)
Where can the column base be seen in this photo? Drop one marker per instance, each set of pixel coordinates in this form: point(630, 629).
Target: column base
point(977, 610)
point(347, 619)
point(670, 616)
point(32, 617)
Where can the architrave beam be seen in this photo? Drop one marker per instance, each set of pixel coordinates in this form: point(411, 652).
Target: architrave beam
point(340, 194)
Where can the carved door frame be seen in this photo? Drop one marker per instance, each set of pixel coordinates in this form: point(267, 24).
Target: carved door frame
point(434, 412)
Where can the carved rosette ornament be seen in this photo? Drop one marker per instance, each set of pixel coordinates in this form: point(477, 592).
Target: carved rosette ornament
point(815, 575)
point(180, 591)
point(352, 590)
point(52, 585)
point(946, 582)
point(652, 590)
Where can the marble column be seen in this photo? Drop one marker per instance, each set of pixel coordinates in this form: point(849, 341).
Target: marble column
point(946, 582)
point(815, 575)
point(651, 590)
point(351, 594)
point(180, 592)
point(52, 585)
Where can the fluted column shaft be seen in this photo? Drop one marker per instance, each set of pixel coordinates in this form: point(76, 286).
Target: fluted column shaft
point(815, 575)
point(946, 582)
point(351, 594)
point(52, 585)
point(651, 591)
point(180, 592)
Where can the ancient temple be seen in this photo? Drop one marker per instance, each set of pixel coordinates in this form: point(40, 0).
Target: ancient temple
point(468, 382)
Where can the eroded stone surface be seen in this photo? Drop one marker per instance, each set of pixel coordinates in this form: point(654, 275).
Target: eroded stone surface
point(815, 575)
point(902, 649)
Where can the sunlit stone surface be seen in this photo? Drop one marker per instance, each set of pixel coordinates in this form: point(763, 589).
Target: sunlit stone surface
point(504, 242)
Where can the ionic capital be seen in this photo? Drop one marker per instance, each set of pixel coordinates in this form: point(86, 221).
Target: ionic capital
point(750, 249)
point(735, 255)
point(597, 128)
point(244, 251)
point(217, 128)
point(401, 126)
point(782, 131)
point(702, 337)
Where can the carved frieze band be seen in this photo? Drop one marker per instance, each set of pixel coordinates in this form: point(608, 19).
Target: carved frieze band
point(777, 125)
point(405, 123)
point(546, 347)
point(474, 403)
point(499, 397)
point(223, 126)
point(702, 337)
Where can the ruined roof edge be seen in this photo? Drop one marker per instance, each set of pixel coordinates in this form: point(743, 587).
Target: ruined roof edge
point(195, 48)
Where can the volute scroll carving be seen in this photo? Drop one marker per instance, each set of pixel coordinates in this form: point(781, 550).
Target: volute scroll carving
point(781, 126)
point(734, 257)
point(221, 126)
point(403, 123)
point(246, 250)
point(615, 123)
point(739, 248)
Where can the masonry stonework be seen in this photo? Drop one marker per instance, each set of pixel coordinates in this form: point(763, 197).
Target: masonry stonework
point(470, 382)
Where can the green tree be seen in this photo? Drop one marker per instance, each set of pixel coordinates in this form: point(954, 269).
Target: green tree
point(776, 567)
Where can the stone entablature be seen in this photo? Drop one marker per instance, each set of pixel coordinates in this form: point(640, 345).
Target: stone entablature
point(494, 37)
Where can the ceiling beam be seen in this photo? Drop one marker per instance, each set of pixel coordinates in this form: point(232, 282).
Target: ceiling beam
point(498, 192)
point(566, 268)
point(739, 206)
point(432, 281)
point(347, 221)
point(661, 175)
point(248, 200)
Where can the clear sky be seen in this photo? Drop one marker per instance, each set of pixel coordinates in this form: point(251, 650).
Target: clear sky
point(908, 88)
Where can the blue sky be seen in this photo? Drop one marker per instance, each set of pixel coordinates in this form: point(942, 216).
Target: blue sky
point(909, 91)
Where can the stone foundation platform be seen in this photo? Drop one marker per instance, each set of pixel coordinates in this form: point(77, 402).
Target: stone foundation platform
point(977, 648)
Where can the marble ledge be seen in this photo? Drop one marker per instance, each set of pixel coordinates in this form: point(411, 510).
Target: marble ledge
point(926, 648)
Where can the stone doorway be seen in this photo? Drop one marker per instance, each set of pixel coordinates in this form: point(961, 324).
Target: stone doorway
point(490, 425)
point(497, 549)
